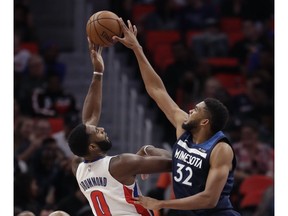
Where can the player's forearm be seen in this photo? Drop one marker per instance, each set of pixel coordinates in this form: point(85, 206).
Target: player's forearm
point(151, 79)
point(152, 151)
point(196, 202)
point(93, 102)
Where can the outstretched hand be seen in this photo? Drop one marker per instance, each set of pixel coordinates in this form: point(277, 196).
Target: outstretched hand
point(96, 57)
point(130, 32)
point(148, 202)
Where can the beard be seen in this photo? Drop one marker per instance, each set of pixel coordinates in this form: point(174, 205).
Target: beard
point(188, 126)
point(105, 145)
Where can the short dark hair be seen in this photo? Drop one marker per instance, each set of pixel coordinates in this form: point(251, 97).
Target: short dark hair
point(219, 114)
point(78, 140)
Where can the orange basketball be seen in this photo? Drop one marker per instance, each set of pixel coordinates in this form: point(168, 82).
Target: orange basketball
point(102, 26)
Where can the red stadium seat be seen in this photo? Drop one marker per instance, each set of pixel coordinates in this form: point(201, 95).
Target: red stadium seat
point(163, 56)
point(31, 46)
point(234, 37)
point(234, 83)
point(253, 189)
point(189, 35)
point(223, 62)
point(57, 124)
point(231, 24)
point(230, 80)
point(139, 11)
point(154, 38)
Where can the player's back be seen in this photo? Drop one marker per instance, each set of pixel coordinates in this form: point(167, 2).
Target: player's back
point(106, 195)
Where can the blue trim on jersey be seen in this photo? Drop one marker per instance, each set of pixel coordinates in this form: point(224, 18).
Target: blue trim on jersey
point(135, 191)
point(96, 159)
point(191, 165)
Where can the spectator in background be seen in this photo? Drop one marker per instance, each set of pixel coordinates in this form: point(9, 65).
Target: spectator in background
point(183, 61)
point(189, 87)
point(211, 42)
point(24, 144)
point(52, 100)
point(50, 52)
point(26, 192)
point(32, 134)
point(45, 168)
point(253, 42)
point(70, 121)
point(213, 88)
point(122, 8)
point(253, 156)
point(258, 10)
point(21, 56)
point(23, 22)
point(253, 102)
point(46, 210)
point(163, 18)
point(74, 204)
point(174, 77)
point(232, 8)
point(193, 15)
point(266, 206)
point(34, 78)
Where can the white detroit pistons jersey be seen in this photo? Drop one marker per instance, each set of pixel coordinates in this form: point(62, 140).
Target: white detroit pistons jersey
point(105, 194)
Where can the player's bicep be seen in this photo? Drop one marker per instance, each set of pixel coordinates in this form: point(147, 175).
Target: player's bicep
point(220, 165)
point(130, 164)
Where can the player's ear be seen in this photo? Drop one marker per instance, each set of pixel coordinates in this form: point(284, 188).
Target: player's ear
point(204, 122)
point(93, 147)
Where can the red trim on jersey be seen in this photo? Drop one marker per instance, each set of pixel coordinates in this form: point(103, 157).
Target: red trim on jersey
point(129, 199)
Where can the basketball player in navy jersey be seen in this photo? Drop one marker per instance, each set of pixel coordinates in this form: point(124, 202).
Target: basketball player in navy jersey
point(203, 159)
point(108, 182)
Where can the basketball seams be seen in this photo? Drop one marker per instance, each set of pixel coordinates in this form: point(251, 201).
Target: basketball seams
point(99, 23)
point(106, 27)
point(99, 36)
point(107, 18)
point(95, 29)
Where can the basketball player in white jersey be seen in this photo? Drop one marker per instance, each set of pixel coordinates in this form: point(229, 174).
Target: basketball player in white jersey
point(108, 182)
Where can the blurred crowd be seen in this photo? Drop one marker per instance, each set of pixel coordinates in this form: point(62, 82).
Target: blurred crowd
point(200, 48)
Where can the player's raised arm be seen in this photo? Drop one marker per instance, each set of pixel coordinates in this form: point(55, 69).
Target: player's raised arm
point(93, 100)
point(153, 83)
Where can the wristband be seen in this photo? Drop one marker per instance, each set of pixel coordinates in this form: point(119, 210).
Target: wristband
point(97, 73)
point(145, 148)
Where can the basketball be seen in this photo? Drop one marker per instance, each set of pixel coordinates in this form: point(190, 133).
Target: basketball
point(102, 26)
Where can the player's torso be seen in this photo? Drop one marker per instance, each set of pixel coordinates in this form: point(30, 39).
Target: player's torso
point(191, 167)
point(105, 194)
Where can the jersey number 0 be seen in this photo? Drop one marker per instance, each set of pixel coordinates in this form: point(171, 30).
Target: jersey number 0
point(100, 205)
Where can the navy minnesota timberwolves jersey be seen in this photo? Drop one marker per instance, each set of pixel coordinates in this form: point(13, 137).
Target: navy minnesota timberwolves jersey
point(191, 167)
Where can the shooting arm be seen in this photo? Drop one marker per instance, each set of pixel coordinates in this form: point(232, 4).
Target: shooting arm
point(93, 102)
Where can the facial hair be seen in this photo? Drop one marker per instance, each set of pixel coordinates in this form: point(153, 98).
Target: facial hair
point(188, 126)
point(105, 145)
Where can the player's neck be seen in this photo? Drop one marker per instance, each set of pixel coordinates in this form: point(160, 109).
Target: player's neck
point(92, 158)
point(201, 136)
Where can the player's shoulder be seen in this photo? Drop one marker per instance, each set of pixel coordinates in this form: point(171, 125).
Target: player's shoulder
point(75, 164)
point(123, 158)
point(223, 148)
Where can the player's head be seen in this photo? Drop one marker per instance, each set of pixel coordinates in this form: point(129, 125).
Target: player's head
point(26, 213)
point(86, 139)
point(210, 112)
point(59, 213)
point(218, 112)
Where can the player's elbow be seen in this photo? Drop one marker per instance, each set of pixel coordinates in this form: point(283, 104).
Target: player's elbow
point(210, 201)
point(211, 204)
